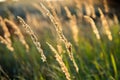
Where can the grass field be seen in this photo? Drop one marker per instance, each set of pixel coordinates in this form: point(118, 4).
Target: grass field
point(59, 40)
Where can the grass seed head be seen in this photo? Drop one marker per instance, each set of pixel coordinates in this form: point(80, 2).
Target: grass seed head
point(60, 61)
point(60, 34)
point(95, 30)
point(105, 25)
point(17, 32)
point(33, 37)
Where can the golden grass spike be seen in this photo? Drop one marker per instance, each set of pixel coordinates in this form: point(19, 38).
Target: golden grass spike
point(106, 6)
point(95, 30)
point(116, 21)
point(60, 61)
point(69, 15)
point(87, 9)
point(105, 25)
point(54, 14)
point(78, 5)
point(2, 40)
point(6, 39)
point(17, 32)
point(52, 18)
point(73, 24)
point(5, 30)
point(92, 10)
point(33, 37)
point(68, 45)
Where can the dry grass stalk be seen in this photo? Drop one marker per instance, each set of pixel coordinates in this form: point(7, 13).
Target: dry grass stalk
point(105, 25)
point(33, 37)
point(106, 6)
point(68, 45)
point(17, 32)
point(116, 21)
point(73, 24)
point(5, 74)
point(95, 30)
point(60, 61)
point(6, 40)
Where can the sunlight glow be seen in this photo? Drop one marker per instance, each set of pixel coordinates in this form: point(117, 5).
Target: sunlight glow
point(2, 0)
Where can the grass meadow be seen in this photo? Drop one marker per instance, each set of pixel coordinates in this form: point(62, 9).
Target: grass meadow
point(59, 40)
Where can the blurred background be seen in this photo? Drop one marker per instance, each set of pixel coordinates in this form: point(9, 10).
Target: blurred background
point(90, 30)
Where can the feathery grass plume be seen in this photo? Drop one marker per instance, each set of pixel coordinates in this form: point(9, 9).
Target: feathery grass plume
point(33, 37)
point(68, 45)
point(105, 25)
point(87, 9)
point(106, 6)
point(92, 10)
point(6, 39)
point(78, 5)
point(17, 32)
point(54, 14)
point(60, 61)
point(95, 30)
point(2, 40)
point(90, 4)
point(73, 24)
point(116, 21)
point(5, 30)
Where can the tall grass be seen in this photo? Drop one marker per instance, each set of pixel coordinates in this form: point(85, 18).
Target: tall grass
point(79, 51)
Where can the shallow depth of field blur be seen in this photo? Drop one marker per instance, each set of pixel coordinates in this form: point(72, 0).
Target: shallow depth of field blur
point(59, 40)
